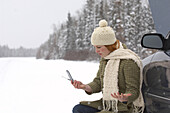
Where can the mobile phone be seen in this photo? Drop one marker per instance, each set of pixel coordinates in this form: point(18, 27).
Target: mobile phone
point(69, 75)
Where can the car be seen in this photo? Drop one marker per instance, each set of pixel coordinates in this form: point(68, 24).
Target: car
point(156, 67)
point(156, 73)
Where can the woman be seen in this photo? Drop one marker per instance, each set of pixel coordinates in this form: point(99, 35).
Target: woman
point(119, 77)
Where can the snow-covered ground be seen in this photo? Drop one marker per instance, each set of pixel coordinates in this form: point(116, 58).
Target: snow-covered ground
point(28, 85)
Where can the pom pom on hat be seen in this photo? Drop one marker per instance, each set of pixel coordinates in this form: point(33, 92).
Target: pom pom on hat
point(103, 35)
point(103, 23)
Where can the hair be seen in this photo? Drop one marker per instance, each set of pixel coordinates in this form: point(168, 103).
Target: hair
point(114, 46)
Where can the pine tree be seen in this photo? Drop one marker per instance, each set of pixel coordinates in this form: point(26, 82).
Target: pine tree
point(129, 19)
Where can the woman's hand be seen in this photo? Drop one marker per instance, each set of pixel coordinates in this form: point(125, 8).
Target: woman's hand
point(78, 84)
point(121, 97)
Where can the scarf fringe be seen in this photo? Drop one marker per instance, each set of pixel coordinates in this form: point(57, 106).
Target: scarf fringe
point(138, 109)
point(110, 105)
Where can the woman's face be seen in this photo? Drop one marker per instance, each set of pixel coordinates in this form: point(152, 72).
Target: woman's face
point(101, 50)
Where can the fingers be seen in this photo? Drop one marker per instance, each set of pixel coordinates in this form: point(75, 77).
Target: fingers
point(117, 95)
point(77, 84)
point(121, 97)
point(114, 95)
point(127, 94)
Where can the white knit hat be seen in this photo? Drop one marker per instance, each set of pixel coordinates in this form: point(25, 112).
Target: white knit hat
point(103, 35)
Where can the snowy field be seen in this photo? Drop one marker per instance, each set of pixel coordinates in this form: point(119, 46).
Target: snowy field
point(28, 85)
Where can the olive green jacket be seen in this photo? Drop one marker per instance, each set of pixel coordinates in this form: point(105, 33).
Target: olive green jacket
point(128, 82)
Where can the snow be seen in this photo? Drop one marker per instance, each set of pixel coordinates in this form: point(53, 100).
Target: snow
point(28, 85)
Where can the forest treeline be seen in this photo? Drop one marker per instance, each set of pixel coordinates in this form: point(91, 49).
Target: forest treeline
point(130, 20)
point(5, 51)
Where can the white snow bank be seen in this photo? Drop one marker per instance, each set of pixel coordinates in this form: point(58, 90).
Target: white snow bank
point(28, 85)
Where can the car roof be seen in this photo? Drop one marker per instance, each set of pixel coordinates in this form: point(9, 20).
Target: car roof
point(158, 56)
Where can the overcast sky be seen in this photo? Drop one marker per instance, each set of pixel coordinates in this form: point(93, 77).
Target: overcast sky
point(28, 23)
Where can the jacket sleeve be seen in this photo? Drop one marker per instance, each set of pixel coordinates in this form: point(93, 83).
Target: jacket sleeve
point(96, 84)
point(132, 79)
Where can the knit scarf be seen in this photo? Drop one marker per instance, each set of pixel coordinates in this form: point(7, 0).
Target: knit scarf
point(111, 80)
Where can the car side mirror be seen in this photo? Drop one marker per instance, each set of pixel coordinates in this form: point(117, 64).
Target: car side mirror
point(153, 41)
